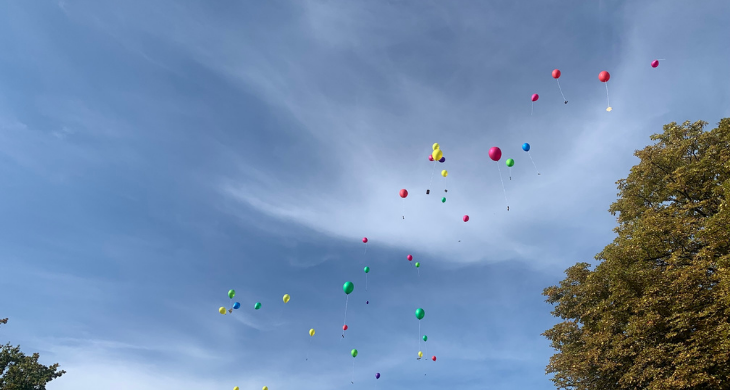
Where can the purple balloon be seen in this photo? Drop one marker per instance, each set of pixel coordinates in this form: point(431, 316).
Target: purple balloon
point(377, 375)
point(442, 159)
point(367, 302)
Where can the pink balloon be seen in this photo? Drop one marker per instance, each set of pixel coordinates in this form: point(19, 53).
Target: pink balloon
point(465, 218)
point(409, 257)
point(495, 153)
point(430, 157)
point(365, 240)
point(655, 63)
point(535, 97)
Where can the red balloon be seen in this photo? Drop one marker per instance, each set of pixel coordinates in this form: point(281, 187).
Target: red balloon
point(655, 63)
point(430, 157)
point(344, 327)
point(465, 218)
point(365, 240)
point(433, 358)
point(556, 73)
point(403, 193)
point(535, 97)
point(409, 257)
point(495, 153)
point(604, 76)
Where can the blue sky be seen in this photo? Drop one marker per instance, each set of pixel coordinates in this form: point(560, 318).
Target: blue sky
point(154, 155)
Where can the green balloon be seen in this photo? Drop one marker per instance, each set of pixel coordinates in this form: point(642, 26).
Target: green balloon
point(425, 338)
point(367, 269)
point(348, 287)
point(420, 313)
point(257, 305)
point(231, 293)
point(418, 264)
point(443, 200)
point(510, 162)
point(353, 352)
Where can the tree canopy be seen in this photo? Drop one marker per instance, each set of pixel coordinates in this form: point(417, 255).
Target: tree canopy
point(21, 372)
point(654, 313)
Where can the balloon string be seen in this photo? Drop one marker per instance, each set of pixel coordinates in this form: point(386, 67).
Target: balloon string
point(353, 371)
point(533, 162)
point(419, 335)
point(310, 343)
point(608, 102)
point(561, 90)
point(503, 189)
point(432, 170)
point(533, 108)
point(366, 249)
point(510, 173)
point(366, 282)
point(403, 208)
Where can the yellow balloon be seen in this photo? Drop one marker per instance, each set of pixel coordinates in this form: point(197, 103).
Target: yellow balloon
point(437, 154)
point(311, 332)
point(420, 354)
point(265, 388)
point(444, 173)
point(222, 310)
point(435, 146)
point(236, 388)
point(286, 298)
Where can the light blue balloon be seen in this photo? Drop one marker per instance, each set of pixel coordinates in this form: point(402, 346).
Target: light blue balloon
point(526, 147)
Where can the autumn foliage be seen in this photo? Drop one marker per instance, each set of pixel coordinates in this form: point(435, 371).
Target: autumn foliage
point(654, 313)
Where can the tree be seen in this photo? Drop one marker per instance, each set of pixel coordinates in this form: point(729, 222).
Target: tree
point(21, 372)
point(655, 312)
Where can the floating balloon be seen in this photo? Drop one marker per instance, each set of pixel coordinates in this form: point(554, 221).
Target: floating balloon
point(495, 153)
point(222, 310)
point(437, 154)
point(535, 97)
point(377, 375)
point(365, 240)
point(435, 146)
point(236, 305)
point(430, 157)
point(433, 358)
point(344, 327)
point(556, 76)
point(425, 338)
point(403, 193)
point(465, 218)
point(655, 63)
point(409, 257)
point(442, 159)
point(443, 200)
point(286, 298)
point(526, 147)
point(265, 388)
point(420, 354)
point(236, 388)
point(348, 287)
point(311, 332)
point(418, 264)
point(231, 293)
point(366, 269)
point(367, 302)
point(444, 173)
point(420, 313)
point(257, 305)
point(353, 353)
point(510, 163)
